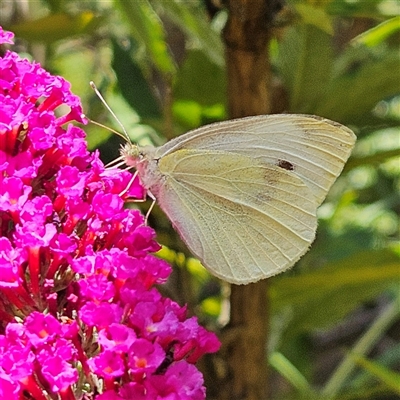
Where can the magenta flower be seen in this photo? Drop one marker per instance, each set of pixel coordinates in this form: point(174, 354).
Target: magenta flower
point(79, 313)
point(182, 381)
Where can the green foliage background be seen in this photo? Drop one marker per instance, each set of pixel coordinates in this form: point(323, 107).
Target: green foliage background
point(160, 66)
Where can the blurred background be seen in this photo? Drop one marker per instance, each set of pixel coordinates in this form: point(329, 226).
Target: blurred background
point(334, 319)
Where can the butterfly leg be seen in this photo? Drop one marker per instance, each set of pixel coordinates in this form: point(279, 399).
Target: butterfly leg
point(143, 200)
point(118, 162)
point(129, 185)
point(151, 195)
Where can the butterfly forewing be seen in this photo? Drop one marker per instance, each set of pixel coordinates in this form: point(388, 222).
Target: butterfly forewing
point(244, 219)
point(313, 148)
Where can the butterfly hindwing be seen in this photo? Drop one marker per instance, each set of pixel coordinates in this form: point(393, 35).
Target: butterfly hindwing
point(245, 219)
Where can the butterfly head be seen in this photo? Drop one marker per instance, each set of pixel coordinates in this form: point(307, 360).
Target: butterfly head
point(144, 161)
point(132, 154)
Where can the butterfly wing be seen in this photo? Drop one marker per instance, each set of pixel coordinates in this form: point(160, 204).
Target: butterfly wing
point(244, 219)
point(315, 149)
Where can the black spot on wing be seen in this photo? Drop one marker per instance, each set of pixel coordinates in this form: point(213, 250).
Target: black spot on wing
point(285, 165)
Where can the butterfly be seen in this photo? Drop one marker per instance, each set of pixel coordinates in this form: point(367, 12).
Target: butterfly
point(243, 194)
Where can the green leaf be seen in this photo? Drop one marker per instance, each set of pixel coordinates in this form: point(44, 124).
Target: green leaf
point(305, 62)
point(95, 136)
point(291, 373)
point(187, 113)
point(363, 346)
point(315, 16)
point(355, 92)
point(58, 26)
point(390, 378)
point(374, 159)
point(190, 114)
point(200, 80)
point(379, 33)
point(389, 358)
point(133, 84)
point(324, 296)
point(362, 9)
point(148, 30)
point(54, 5)
point(186, 15)
point(211, 306)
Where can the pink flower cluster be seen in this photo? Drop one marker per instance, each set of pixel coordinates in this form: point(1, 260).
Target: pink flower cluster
point(80, 317)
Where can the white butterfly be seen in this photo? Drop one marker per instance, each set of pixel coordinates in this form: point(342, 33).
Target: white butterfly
point(243, 194)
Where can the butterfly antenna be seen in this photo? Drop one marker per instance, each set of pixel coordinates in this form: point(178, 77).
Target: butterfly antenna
point(125, 133)
point(106, 127)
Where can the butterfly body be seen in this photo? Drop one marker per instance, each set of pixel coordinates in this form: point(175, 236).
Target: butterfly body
point(243, 194)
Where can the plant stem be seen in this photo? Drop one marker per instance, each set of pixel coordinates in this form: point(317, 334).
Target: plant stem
point(362, 347)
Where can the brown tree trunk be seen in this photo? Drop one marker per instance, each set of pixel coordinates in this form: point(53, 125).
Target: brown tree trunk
point(244, 340)
point(246, 37)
